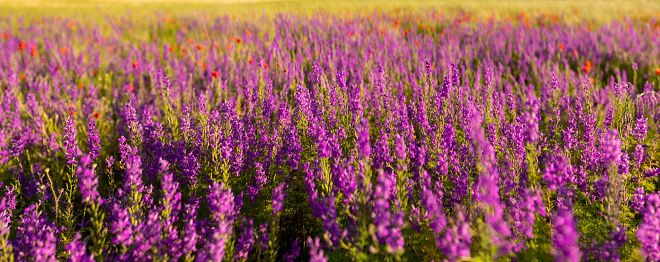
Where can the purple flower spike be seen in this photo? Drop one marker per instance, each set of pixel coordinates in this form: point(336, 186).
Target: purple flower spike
point(70, 143)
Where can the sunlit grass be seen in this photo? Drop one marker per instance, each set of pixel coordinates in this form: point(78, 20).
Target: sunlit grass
point(96, 10)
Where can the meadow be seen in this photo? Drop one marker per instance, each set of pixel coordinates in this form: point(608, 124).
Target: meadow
point(329, 131)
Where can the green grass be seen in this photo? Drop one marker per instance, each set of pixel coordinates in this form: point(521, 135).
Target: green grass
point(96, 10)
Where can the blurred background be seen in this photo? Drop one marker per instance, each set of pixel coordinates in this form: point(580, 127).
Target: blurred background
point(593, 11)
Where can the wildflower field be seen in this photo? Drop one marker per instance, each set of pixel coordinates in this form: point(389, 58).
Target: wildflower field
point(405, 134)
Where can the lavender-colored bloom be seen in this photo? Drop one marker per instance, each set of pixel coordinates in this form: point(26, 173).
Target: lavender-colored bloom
point(638, 156)
point(649, 229)
point(78, 251)
point(640, 128)
point(36, 237)
point(169, 212)
point(638, 200)
point(315, 250)
point(557, 171)
point(333, 231)
point(264, 237)
point(611, 144)
point(245, 240)
point(363, 144)
point(609, 117)
point(87, 180)
point(456, 240)
point(7, 205)
point(388, 224)
point(565, 237)
point(70, 143)
point(109, 162)
point(278, 198)
point(94, 140)
point(190, 237)
point(129, 116)
point(223, 214)
point(133, 185)
point(381, 152)
point(120, 227)
point(399, 147)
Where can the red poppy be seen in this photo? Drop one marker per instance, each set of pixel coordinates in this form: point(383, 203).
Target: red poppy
point(250, 60)
point(657, 71)
point(130, 88)
point(171, 49)
point(561, 47)
point(265, 65)
point(200, 47)
point(135, 64)
point(96, 115)
point(21, 46)
point(591, 79)
point(215, 74)
point(238, 40)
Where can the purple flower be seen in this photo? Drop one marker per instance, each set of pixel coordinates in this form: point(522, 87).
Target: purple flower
point(264, 238)
point(333, 231)
point(609, 117)
point(638, 156)
point(245, 240)
point(278, 198)
point(223, 214)
point(78, 251)
point(399, 147)
point(611, 148)
point(456, 240)
point(640, 128)
point(638, 200)
point(87, 181)
point(565, 237)
point(363, 144)
point(388, 224)
point(35, 237)
point(190, 237)
point(109, 162)
point(94, 140)
point(70, 143)
point(649, 229)
point(381, 152)
point(133, 185)
point(315, 250)
point(169, 211)
point(557, 171)
point(120, 227)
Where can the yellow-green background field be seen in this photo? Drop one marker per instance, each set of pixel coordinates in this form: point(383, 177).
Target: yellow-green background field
point(95, 10)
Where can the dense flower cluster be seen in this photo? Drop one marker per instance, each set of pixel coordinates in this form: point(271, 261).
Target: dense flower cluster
point(413, 136)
